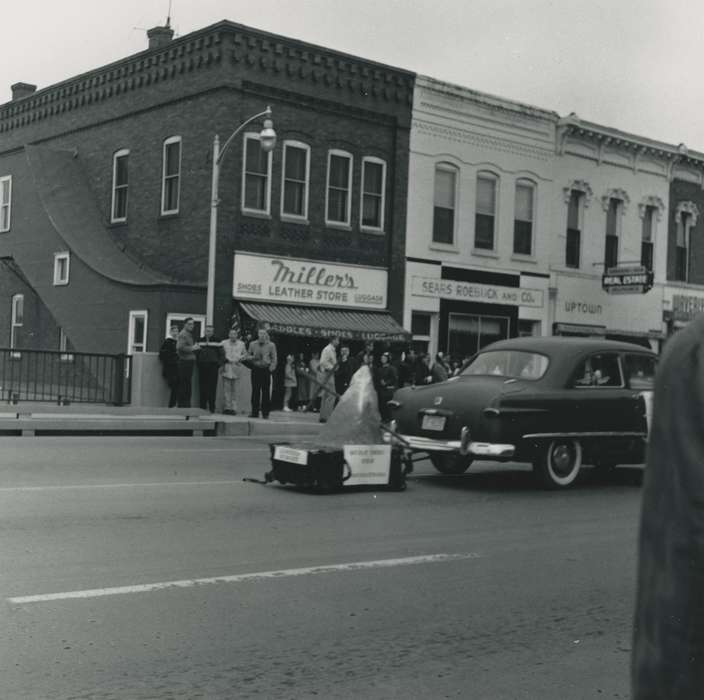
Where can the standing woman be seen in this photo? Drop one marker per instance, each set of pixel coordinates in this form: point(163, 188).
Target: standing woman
point(290, 382)
point(314, 366)
point(303, 394)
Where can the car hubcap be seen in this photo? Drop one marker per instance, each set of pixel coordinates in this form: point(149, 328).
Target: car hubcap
point(562, 459)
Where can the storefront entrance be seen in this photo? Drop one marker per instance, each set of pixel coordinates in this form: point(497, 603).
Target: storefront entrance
point(469, 333)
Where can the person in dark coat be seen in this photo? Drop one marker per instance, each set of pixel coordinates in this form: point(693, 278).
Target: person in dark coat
point(343, 373)
point(668, 641)
point(210, 358)
point(387, 383)
point(406, 370)
point(438, 372)
point(186, 349)
point(169, 364)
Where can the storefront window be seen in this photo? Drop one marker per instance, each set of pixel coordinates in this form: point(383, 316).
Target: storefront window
point(467, 334)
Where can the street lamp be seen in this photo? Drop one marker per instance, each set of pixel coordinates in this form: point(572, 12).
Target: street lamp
point(267, 141)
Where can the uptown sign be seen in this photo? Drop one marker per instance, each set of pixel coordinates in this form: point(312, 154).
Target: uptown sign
point(294, 281)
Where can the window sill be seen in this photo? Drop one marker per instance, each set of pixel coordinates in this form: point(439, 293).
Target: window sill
point(168, 215)
point(445, 247)
point(118, 224)
point(256, 214)
point(372, 231)
point(291, 219)
point(338, 227)
point(519, 257)
point(61, 284)
point(484, 253)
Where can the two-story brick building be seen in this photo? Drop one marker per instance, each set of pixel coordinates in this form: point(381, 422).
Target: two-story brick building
point(105, 194)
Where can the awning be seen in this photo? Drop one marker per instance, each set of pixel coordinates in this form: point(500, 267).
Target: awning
point(314, 322)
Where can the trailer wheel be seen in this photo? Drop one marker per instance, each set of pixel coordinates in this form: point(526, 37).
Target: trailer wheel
point(450, 462)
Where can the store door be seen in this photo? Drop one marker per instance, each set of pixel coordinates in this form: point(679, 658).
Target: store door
point(467, 334)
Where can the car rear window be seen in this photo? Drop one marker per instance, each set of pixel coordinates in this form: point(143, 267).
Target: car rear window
point(518, 364)
point(640, 371)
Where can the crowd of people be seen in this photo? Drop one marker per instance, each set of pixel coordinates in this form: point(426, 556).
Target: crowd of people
point(310, 382)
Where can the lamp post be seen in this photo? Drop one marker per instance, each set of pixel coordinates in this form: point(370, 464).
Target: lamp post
point(267, 141)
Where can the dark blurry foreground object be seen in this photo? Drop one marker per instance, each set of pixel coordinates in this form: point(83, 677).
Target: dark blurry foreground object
point(668, 648)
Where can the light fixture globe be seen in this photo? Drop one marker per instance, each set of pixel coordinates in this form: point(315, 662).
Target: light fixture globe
point(267, 136)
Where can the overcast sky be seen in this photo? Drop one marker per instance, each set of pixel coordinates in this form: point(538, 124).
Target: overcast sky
point(630, 64)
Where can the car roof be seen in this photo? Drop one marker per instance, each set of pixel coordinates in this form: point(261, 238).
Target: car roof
point(552, 344)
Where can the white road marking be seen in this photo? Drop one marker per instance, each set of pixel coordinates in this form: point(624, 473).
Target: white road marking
point(71, 487)
point(240, 578)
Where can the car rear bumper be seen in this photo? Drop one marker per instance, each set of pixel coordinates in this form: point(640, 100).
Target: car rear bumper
point(488, 450)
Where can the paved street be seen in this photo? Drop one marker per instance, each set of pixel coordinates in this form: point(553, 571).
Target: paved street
point(531, 598)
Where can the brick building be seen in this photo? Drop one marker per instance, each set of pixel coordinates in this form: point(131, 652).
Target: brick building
point(105, 193)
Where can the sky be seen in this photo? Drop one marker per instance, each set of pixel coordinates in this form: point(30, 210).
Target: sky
point(628, 64)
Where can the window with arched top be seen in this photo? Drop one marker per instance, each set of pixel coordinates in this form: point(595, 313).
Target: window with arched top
point(171, 175)
point(686, 215)
point(120, 186)
point(295, 179)
point(372, 201)
point(523, 217)
point(17, 318)
point(485, 211)
point(256, 176)
point(338, 195)
point(445, 203)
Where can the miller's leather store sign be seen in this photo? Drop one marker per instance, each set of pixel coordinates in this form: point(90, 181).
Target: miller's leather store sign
point(312, 282)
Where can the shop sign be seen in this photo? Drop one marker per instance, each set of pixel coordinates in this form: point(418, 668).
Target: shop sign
point(685, 307)
point(342, 333)
point(313, 282)
point(627, 280)
point(478, 293)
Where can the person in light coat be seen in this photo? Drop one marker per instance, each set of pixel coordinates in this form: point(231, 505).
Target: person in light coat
point(235, 351)
point(326, 378)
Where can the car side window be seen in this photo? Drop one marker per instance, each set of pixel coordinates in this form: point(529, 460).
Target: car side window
point(601, 370)
point(640, 371)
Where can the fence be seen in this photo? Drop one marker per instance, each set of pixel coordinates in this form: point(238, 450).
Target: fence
point(62, 377)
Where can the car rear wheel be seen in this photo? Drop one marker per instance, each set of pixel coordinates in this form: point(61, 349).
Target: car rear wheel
point(451, 463)
point(558, 465)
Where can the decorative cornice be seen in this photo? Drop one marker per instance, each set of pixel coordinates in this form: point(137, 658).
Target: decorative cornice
point(463, 136)
point(615, 193)
point(652, 201)
point(689, 208)
point(369, 83)
point(580, 186)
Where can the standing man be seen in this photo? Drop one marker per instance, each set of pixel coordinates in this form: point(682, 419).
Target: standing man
point(186, 349)
point(262, 354)
point(326, 378)
point(169, 364)
point(210, 358)
point(235, 352)
point(343, 373)
point(387, 379)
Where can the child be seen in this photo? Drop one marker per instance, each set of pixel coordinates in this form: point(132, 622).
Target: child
point(289, 382)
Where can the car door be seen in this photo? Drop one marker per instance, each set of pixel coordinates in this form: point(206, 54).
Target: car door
point(601, 402)
point(640, 376)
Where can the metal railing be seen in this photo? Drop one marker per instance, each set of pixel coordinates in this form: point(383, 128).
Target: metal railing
point(64, 377)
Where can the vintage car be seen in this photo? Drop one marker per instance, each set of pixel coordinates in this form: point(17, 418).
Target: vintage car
point(555, 402)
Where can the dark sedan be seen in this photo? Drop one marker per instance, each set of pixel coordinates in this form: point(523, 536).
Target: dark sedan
point(555, 402)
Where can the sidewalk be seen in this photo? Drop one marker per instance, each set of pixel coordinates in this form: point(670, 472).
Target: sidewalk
point(38, 418)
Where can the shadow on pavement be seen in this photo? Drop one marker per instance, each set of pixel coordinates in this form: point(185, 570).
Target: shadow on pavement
point(522, 479)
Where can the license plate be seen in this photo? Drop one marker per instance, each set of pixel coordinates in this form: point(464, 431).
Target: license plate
point(289, 454)
point(433, 423)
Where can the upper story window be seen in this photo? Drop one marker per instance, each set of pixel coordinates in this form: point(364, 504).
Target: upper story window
point(5, 202)
point(684, 224)
point(296, 176)
point(17, 318)
point(523, 218)
point(614, 211)
point(171, 178)
point(485, 214)
point(256, 175)
point(120, 186)
point(373, 194)
point(444, 204)
point(647, 237)
point(575, 209)
point(137, 332)
point(338, 197)
point(61, 268)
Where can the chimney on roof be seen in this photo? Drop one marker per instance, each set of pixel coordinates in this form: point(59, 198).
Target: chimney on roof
point(22, 90)
point(159, 36)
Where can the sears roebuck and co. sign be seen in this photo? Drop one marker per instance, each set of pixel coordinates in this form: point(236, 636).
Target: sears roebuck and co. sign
point(470, 291)
point(293, 281)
